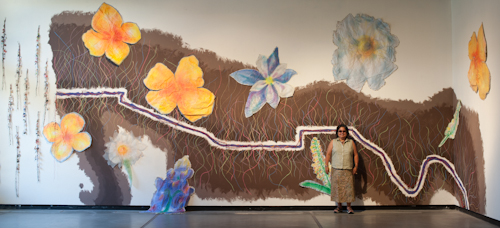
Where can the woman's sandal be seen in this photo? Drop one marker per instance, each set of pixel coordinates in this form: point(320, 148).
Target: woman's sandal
point(350, 211)
point(337, 210)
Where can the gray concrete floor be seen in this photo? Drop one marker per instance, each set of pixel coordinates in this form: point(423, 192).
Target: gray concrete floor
point(254, 219)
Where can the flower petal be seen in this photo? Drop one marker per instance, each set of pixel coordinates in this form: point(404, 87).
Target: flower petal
point(481, 41)
point(131, 33)
point(52, 132)
point(284, 90)
point(61, 150)
point(258, 86)
point(196, 103)
point(473, 46)
point(285, 77)
point(247, 76)
point(159, 77)
point(117, 51)
point(273, 61)
point(256, 100)
point(262, 66)
point(81, 141)
point(472, 76)
point(164, 101)
point(95, 42)
point(188, 73)
point(483, 80)
point(106, 20)
point(278, 71)
point(72, 123)
point(272, 96)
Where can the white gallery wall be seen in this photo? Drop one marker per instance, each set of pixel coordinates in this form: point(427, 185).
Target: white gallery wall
point(467, 17)
point(301, 29)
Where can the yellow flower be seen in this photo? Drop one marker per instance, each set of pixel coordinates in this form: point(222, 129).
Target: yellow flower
point(67, 137)
point(479, 74)
point(110, 35)
point(182, 90)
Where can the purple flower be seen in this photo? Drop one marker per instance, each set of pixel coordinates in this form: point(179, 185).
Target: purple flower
point(268, 83)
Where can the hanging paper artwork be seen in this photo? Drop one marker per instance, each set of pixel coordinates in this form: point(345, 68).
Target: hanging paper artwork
point(46, 106)
point(18, 160)
point(319, 169)
point(268, 83)
point(366, 52)
point(123, 149)
point(182, 89)
point(479, 74)
point(37, 60)
point(67, 137)
point(3, 40)
point(25, 109)
point(18, 73)
point(173, 193)
point(37, 147)
point(110, 36)
point(10, 109)
point(451, 130)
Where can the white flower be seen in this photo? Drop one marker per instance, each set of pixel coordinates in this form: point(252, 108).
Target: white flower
point(123, 147)
point(366, 51)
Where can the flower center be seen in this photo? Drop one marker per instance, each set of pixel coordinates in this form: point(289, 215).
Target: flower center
point(123, 150)
point(269, 80)
point(366, 46)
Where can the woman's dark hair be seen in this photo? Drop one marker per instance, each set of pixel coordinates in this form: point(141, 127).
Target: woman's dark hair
point(338, 128)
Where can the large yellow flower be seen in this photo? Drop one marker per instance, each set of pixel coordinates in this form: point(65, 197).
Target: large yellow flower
point(67, 137)
point(110, 35)
point(182, 89)
point(479, 74)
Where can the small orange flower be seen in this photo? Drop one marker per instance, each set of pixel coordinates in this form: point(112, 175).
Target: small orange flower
point(67, 137)
point(110, 35)
point(479, 74)
point(182, 90)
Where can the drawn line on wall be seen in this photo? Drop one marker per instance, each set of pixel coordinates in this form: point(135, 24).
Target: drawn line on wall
point(296, 145)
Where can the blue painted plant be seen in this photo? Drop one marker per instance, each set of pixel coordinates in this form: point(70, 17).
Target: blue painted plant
point(173, 193)
point(319, 169)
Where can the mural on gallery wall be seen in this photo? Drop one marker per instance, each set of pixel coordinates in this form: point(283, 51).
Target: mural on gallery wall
point(366, 51)
point(236, 155)
point(173, 193)
point(479, 74)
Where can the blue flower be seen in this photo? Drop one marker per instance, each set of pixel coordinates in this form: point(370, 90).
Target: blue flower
point(268, 83)
point(366, 51)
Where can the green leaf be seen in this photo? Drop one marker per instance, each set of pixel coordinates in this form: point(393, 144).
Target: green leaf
point(316, 186)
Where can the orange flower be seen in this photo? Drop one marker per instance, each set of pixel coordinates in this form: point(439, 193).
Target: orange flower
point(110, 35)
point(67, 137)
point(479, 74)
point(182, 90)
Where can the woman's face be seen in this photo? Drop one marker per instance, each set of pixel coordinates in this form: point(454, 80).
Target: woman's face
point(342, 133)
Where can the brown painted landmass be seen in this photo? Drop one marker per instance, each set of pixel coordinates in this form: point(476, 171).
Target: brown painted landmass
point(407, 131)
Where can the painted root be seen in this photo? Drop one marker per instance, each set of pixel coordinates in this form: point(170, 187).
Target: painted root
point(173, 193)
point(319, 169)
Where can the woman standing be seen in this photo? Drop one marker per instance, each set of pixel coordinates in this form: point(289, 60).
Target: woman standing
point(341, 152)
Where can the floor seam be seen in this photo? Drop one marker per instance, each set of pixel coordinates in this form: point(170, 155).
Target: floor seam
point(149, 221)
point(316, 220)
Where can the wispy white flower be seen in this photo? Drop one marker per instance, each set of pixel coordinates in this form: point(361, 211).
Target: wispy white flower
point(366, 51)
point(123, 149)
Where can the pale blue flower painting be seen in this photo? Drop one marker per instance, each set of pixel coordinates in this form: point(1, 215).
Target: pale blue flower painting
point(268, 83)
point(366, 52)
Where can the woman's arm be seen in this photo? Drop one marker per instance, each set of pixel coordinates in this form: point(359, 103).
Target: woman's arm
point(356, 158)
point(328, 156)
